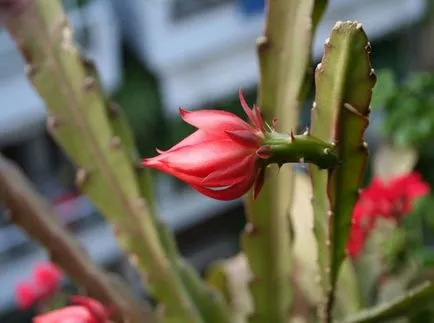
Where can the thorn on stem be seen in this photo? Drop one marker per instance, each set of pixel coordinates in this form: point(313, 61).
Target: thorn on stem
point(250, 228)
point(116, 230)
point(115, 142)
point(81, 177)
point(368, 47)
point(134, 260)
point(113, 110)
point(141, 204)
point(52, 123)
point(30, 70)
point(263, 43)
point(89, 83)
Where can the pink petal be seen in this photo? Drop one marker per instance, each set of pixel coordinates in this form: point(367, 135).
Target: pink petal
point(245, 138)
point(190, 179)
point(231, 175)
point(201, 159)
point(233, 192)
point(263, 152)
point(215, 121)
point(246, 107)
point(69, 314)
point(197, 137)
point(258, 118)
point(259, 182)
point(98, 310)
point(253, 115)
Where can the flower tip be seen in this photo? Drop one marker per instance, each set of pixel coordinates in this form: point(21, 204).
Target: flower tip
point(182, 112)
point(149, 162)
point(241, 94)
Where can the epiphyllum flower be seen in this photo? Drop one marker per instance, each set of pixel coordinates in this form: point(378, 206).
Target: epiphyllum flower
point(226, 156)
point(84, 310)
point(220, 158)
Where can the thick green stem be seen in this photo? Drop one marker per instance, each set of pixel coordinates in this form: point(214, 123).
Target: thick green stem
point(78, 122)
point(284, 55)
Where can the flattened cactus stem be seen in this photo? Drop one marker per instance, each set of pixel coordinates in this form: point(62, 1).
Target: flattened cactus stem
point(344, 80)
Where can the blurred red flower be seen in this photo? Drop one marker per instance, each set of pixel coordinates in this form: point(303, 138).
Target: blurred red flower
point(26, 294)
point(45, 281)
point(392, 200)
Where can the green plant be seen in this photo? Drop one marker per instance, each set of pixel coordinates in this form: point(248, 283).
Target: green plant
point(96, 136)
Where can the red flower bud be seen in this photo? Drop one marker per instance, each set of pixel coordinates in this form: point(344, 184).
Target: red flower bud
point(220, 158)
point(85, 310)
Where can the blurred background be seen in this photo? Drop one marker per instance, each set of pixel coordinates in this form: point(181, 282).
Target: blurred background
point(154, 56)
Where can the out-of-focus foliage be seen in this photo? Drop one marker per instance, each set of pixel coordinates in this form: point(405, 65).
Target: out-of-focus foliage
point(408, 107)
